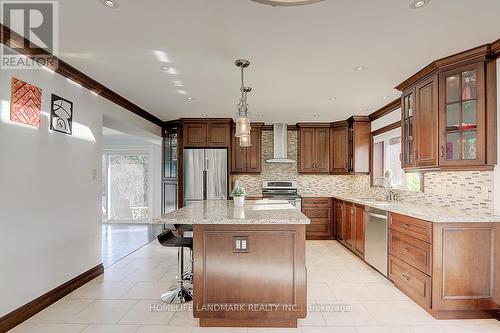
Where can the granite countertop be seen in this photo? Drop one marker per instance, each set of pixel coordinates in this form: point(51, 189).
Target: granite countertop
point(421, 211)
point(224, 212)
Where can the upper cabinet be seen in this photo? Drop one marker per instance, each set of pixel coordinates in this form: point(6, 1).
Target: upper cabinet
point(314, 148)
point(448, 114)
point(462, 116)
point(247, 159)
point(211, 134)
point(350, 146)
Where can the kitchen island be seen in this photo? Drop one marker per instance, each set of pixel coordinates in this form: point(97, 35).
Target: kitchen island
point(249, 263)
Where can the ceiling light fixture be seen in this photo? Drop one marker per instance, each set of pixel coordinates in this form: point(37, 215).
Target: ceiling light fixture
point(190, 98)
point(417, 4)
point(178, 83)
point(110, 3)
point(287, 2)
point(359, 68)
point(315, 115)
point(386, 97)
point(182, 92)
point(242, 121)
point(333, 98)
point(165, 68)
point(204, 115)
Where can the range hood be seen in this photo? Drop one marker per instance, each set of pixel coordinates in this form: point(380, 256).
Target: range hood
point(280, 144)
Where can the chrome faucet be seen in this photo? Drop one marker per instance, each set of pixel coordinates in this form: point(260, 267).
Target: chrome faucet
point(385, 183)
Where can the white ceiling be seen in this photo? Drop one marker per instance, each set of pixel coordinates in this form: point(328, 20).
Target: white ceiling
point(300, 56)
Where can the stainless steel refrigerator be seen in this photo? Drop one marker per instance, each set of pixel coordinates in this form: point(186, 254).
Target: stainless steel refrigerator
point(205, 175)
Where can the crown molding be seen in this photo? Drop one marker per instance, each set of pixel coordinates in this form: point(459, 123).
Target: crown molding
point(11, 39)
point(386, 109)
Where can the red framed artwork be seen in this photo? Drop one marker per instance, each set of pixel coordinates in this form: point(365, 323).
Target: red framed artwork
point(25, 103)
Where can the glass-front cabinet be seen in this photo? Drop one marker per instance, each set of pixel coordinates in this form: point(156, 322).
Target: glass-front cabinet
point(170, 172)
point(462, 116)
point(407, 119)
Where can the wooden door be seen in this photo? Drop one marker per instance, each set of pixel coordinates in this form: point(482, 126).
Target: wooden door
point(350, 225)
point(338, 149)
point(218, 135)
point(306, 150)
point(322, 150)
point(339, 218)
point(254, 155)
point(359, 244)
point(194, 134)
point(426, 125)
point(462, 116)
point(238, 155)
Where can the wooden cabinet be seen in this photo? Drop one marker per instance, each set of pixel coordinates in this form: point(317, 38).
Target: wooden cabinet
point(359, 231)
point(448, 114)
point(447, 268)
point(247, 159)
point(350, 146)
point(419, 121)
point(314, 148)
point(200, 133)
point(350, 225)
point(320, 212)
point(339, 218)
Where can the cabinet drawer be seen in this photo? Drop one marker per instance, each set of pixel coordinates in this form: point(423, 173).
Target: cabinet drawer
point(313, 213)
point(412, 251)
point(316, 202)
point(411, 281)
point(317, 228)
point(319, 221)
point(411, 226)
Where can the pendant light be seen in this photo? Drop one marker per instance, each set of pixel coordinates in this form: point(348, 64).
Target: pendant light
point(242, 121)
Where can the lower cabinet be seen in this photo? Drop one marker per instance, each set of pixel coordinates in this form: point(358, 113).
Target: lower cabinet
point(350, 225)
point(339, 219)
point(359, 231)
point(320, 212)
point(450, 269)
point(349, 221)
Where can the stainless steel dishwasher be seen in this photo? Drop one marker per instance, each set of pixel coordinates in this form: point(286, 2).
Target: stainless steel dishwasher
point(376, 230)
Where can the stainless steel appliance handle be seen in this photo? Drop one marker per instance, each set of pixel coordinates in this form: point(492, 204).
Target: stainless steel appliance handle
point(379, 216)
point(204, 185)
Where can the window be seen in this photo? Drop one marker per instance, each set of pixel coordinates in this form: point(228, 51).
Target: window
point(386, 161)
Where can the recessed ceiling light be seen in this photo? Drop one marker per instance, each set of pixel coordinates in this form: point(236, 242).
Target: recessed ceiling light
point(416, 4)
point(287, 2)
point(260, 116)
point(178, 83)
point(359, 68)
point(164, 68)
point(110, 3)
point(386, 97)
point(189, 98)
point(333, 98)
point(315, 115)
point(182, 92)
point(204, 115)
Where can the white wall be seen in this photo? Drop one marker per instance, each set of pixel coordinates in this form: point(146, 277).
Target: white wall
point(386, 120)
point(50, 209)
point(496, 177)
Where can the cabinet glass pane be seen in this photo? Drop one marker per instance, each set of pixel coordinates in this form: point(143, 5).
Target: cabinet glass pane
point(469, 116)
point(453, 116)
point(410, 128)
point(410, 151)
point(453, 88)
point(470, 145)
point(453, 146)
point(410, 105)
point(469, 85)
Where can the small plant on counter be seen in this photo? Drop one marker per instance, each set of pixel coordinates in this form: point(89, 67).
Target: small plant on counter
point(238, 191)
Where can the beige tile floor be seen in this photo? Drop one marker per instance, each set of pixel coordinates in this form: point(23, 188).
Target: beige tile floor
point(120, 301)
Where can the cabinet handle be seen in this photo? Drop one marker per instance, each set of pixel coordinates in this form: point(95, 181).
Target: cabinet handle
point(416, 155)
point(406, 276)
point(442, 151)
point(405, 249)
point(406, 225)
point(401, 157)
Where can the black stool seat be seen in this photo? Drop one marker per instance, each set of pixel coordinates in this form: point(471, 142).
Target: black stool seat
point(183, 227)
point(169, 239)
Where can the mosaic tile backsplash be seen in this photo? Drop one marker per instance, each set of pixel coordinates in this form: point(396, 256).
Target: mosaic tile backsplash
point(466, 190)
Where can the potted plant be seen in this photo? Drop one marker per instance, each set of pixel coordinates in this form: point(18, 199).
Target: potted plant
point(238, 195)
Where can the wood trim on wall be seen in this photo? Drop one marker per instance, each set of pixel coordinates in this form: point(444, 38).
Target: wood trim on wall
point(386, 109)
point(495, 48)
point(11, 38)
point(387, 128)
point(16, 317)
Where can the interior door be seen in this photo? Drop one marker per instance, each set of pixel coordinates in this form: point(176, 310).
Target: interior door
point(216, 174)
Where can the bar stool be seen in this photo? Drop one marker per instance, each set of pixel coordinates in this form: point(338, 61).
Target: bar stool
point(180, 293)
point(186, 230)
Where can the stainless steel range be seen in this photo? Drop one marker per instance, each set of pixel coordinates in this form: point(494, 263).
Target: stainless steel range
point(282, 190)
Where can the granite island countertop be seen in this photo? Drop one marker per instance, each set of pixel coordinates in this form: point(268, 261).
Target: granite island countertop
point(431, 213)
point(224, 212)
